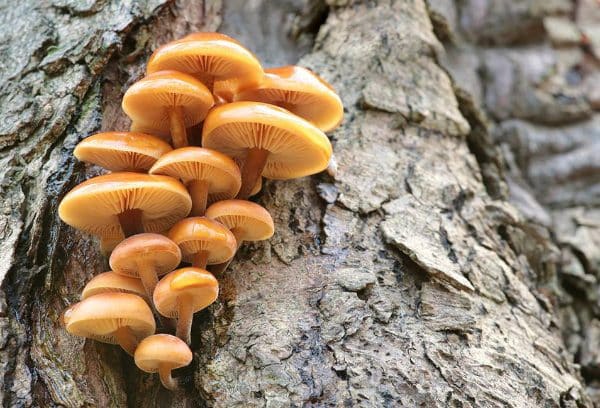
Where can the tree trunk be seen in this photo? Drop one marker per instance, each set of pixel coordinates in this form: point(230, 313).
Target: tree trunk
point(409, 275)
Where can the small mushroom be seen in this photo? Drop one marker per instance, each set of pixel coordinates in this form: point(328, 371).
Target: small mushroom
point(298, 90)
point(121, 151)
point(118, 204)
point(269, 140)
point(247, 221)
point(115, 318)
point(203, 241)
point(184, 292)
point(209, 57)
point(168, 100)
point(204, 171)
point(110, 282)
point(145, 256)
point(163, 353)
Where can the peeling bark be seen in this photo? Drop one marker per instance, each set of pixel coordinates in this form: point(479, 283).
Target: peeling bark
point(442, 264)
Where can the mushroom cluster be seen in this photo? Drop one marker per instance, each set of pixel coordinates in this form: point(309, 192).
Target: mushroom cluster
point(173, 208)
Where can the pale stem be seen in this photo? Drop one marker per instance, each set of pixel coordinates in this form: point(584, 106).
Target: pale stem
point(126, 340)
point(164, 371)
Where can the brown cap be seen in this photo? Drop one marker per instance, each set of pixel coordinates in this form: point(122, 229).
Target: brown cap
point(93, 205)
point(200, 164)
point(121, 151)
point(249, 221)
point(109, 282)
point(208, 57)
point(98, 317)
point(197, 234)
point(198, 285)
point(163, 134)
point(149, 101)
point(296, 147)
point(162, 350)
point(150, 249)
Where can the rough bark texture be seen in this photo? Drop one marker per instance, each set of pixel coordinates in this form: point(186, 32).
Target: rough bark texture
point(451, 259)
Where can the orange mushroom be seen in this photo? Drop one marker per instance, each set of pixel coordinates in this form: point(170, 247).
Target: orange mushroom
point(204, 171)
point(115, 318)
point(109, 282)
point(269, 140)
point(163, 353)
point(168, 100)
point(209, 57)
point(296, 89)
point(121, 151)
point(184, 292)
point(126, 204)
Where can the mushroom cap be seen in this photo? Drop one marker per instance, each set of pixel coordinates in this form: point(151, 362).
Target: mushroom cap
point(250, 221)
point(98, 317)
point(208, 57)
point(257, 187)
point(297, 148)
point(93, 205)
point(110, 282)
point(197, 234)
point(121, 151)
point(197, 163)
point(199, 285)
point(298, 90)
point(149, 101)
point(162, 350)
point(155, 250)
point(163, 134)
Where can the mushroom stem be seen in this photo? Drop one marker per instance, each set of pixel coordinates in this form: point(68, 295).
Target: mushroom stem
point(200, 259)
point(126, 340)
point(148, 277)
point(220, 268)
point(199, 192)
point(131, 222)
point(185, 318)
point(252, 170)
point(164, 371)
point(178, 131)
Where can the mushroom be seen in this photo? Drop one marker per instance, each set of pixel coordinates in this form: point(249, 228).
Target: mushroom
point(247, 221)
point(269, 140)
point(203, 241)
point(126, 204)
point(109, 282)
point(168, 100)
point(255, 190)
point(163, 353)
point(137, 127)
point(121, 151)
point(145, 256)
point(204, 171)
point(115, 318)
point(298, 90)
point(184, 292)
point(209, 57)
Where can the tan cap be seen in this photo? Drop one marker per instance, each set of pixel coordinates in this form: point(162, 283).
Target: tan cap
point(208, 57)
point(300, 91)
point(162, 134)
point(154, 250)
point(94, 205)
point(196, 234)
point(110, 282)
point(247, 220)
point(121, 151)
point(162, 349)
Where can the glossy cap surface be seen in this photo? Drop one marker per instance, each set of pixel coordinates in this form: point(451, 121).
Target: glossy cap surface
point(197, 234)
point(162, 350)
point(250, 221)
point(153, 250)
point(110, 282)
point(196, 285)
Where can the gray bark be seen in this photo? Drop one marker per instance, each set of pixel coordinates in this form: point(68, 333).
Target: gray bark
point(451, 259)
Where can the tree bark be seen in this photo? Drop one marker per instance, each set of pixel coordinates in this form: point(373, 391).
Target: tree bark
point(433, 266)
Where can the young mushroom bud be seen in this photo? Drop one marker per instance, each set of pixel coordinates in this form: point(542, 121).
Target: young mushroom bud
point(168, 100)
point(125, 204)
point(269, 140)
point(115, 318)
point(203, 241)
point(121, 151)
point(247, 221)
point(209, 57)
point(184, 292)
point(163, 353)
point(145, 256)
point(110, 282)
point(205, 172)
